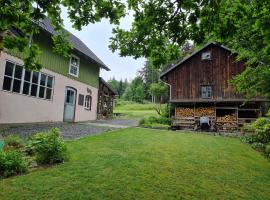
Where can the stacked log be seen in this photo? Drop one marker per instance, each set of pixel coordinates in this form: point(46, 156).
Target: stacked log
point(184, 112)
point(205, 111)
point(227, 118)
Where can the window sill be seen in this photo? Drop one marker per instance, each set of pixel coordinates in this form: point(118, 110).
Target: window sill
point(77, 76)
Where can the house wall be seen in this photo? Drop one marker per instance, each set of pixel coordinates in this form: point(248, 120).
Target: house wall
point(18, 108)
point(88, 73)
point(187, 79)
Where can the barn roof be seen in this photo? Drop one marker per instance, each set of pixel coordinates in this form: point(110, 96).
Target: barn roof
point(181, 61)
point(78, 45)
point(107, 85)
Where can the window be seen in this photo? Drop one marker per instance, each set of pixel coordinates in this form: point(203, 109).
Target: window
point(81, 100)
point(206, 91)
point(206, 56)
point(88, 102)
point(23, 81)
point(74, 66)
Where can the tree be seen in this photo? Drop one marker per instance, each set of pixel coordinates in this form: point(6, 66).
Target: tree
point(135, 91)
point(161, 28)
point(24, 15)
point(159, 90)
point(118, 86)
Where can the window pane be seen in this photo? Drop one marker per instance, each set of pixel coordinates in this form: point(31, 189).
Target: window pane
point(74, 61)
point(35, 77)
point(43, 79)
point(48, 93)
point(7, 83)
point(26, 87)
point(18, 71)
point(49, 81)
point(27, 75)
point(16, 85)
point(41, 92)
point(9, 68)
point(34, 90)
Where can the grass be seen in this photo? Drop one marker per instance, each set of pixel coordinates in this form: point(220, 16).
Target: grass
point(133, 110)
point(139, 163)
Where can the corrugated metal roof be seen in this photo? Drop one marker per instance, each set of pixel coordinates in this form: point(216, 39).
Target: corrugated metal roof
point(76, 42)
point(179, 62)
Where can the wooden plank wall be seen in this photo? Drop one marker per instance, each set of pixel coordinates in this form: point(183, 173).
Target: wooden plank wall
point(186, 79)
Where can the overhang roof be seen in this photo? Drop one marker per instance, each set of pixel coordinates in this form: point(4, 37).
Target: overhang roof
point(107, 85)
point(179, 62)
point(78, 45)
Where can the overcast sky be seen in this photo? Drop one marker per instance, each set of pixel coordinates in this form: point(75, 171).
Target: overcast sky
point(96, 37)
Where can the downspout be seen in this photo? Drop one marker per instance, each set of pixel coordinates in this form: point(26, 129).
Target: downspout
point(170, 95)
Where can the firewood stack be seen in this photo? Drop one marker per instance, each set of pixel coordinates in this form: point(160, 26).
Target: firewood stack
point(184, 112)
point(227, 118)
point(205, 111)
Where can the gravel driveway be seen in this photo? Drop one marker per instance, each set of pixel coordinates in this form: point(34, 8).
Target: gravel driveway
point(68, 130)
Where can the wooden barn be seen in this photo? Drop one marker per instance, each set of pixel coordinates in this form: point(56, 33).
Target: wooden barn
point(200, 88)
point(106, 96)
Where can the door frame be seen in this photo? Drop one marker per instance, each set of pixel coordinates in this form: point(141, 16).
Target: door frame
point(75, 102)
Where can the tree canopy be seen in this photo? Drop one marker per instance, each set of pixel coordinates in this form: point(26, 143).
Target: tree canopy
point(159, 30)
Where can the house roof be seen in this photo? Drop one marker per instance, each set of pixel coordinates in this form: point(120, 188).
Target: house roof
point(107, 85)
point(181, 61)
point(46, 25)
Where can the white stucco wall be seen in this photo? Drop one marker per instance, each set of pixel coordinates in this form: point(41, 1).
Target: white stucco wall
point(18, 108)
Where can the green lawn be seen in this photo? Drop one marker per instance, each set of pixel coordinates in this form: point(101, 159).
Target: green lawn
point(132, 110)
point(138, 163)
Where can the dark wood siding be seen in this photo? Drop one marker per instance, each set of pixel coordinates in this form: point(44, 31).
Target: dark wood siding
point(188, 77)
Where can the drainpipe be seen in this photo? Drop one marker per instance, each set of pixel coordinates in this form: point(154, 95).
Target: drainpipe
point(170, 96)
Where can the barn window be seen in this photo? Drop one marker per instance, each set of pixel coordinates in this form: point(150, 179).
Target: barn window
point(206, 91)
point(206, 55)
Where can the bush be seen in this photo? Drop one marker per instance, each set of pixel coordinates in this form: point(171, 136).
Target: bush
point(13, 142)
point(12, 163)
point(258, 146)
point(267, 150)
point(48, 147)
point(251, 138)
point(155, 122)
point(261, 128)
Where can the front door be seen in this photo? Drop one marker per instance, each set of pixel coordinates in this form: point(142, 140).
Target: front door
point(70, 101)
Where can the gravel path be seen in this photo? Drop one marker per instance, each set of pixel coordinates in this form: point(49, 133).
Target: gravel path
point(68, 130)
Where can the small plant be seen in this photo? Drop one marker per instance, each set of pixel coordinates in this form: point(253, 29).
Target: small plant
point(12, 163)
point(267, 150)
point(13, 142)
point(250, 138)
point(261, 128)
point(48, 147)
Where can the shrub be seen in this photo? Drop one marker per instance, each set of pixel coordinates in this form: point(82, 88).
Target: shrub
point(267, 150)
point(258, 146)
point(261, 128)
point(251, 138)
point(12, 163)
point(48, 147)
point(13, 142)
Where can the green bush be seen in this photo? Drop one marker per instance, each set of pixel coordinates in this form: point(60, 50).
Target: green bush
point(12, 163)
point(48, 147)
point(267, 150)
point(258, 146)
point(251, 138)
point(154, 121)
point(261, 128)
point(13, 142)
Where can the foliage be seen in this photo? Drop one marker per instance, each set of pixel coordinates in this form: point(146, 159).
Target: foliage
point(258, 146)
point(13, 141)
point(249, 139)
point(118, 86)
point(261, 128)
point(24, 15)
point(159, 91)
point(135, 91)
point(267, 150)
point(154, 120)
point(48, 147)
point(12, 163)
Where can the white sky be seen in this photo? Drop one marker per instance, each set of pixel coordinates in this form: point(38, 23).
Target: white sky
point(96, 37)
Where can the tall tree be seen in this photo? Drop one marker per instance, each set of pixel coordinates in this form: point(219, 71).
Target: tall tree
point(135, 91)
